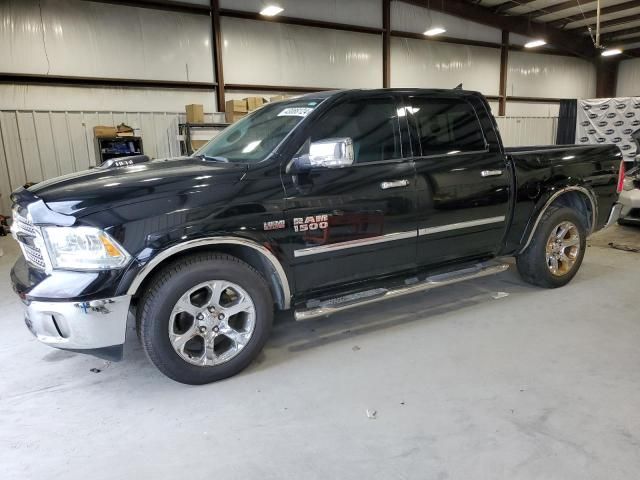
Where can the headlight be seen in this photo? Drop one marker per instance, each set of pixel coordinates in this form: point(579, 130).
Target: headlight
point(83, 248)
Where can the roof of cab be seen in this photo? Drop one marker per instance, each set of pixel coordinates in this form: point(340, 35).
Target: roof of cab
point(380, 91)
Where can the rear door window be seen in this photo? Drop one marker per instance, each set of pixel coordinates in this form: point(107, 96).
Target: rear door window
point(446, 125)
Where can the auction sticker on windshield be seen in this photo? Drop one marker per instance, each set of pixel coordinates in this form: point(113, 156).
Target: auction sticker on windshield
point(295, 112)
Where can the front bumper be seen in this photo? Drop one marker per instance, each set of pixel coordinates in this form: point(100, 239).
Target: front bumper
point(630, 201)
point(614, 215)
point(96, 327)
point(77, 311)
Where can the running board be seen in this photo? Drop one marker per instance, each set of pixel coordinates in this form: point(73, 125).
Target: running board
point(322, 308)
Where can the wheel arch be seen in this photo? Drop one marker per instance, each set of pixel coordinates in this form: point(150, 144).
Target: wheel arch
point(576, 197)
point(249, 251)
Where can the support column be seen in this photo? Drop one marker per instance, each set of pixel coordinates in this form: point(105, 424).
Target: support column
point(386, 43)
point(216, 46)
point(606, 77)
point(504, 67)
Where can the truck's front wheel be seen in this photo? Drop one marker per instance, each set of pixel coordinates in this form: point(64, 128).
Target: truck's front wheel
point(556, 250)
point(205, 317)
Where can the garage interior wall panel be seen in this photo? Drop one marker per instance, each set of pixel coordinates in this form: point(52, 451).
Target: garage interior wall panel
point(365, 13)
point(91, 39)
point(265, 53)
point(411, 18)
point(47, 97)
point(522, 131)
point(38, 145)
point(537, 109)
point(629, 78)
point(429, 64)
point(543, 75)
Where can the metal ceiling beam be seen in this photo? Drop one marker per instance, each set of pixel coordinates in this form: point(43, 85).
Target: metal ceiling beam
point(621, 7)
point(166, 5)
point(503, 7)
point(557, 8)
point(37, 79)
point(613, 23)
point(618, 33)
point(569, 42)
point(625, 41)
point(634, 52)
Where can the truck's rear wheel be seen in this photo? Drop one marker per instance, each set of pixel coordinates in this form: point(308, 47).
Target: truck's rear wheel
point(556, 250)
point(205, 317)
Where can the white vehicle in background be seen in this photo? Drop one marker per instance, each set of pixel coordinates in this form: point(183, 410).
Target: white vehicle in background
point(630, 194)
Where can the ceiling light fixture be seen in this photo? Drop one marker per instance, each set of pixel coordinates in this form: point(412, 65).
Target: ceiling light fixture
point(534, 44)
point(271, 10)
point(435, 31)
point(611, 51)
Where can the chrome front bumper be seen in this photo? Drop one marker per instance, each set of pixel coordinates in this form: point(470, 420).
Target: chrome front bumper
point(86, 327)
point(614, 215)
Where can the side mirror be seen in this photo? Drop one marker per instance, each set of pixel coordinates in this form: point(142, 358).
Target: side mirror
point(328, 153)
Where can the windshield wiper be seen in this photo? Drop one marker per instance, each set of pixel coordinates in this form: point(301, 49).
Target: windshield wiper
point(212, 159)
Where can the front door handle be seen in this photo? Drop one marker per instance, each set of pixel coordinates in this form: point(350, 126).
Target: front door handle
point(394, 184)
point(491, 173)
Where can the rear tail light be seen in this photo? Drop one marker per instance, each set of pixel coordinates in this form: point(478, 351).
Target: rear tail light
point(620, 177)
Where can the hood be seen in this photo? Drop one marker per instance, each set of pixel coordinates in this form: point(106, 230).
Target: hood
point(101, 188)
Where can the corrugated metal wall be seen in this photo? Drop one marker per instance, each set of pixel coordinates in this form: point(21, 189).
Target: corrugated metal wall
point(629, 78)
point(521, 131)
point(38, 145)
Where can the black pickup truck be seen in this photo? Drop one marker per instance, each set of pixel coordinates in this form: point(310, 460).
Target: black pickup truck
point(316, 204)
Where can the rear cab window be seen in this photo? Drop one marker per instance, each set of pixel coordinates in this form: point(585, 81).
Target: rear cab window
point(445, 126)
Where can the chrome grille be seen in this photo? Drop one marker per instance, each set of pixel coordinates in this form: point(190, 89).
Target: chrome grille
point(23, 225)
point(23, 229)
point(33, 256)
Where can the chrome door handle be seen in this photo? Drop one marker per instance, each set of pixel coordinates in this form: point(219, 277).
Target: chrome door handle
point(491, 173)
point(394, 184)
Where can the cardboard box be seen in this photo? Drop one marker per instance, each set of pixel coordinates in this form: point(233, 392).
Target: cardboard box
point(236, 106)
point(232, 117)
point(196, 144)
point(104, 131)
point(254, 102)
point(276, 98)
point(124, 130)
point(195, 113)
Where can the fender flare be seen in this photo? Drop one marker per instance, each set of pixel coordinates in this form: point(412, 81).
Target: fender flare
point(553, 198)
point(270, 258)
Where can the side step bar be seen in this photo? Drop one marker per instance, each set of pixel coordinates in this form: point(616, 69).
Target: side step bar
point(321, 308)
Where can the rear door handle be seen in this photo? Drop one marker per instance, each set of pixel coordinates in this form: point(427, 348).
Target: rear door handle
point(491, 173)
point(394, 184)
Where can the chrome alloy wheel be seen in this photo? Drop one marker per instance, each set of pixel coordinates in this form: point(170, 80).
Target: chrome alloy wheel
point(563, 247)
point(212, 322)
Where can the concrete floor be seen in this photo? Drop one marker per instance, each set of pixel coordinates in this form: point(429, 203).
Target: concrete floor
point(539, 384)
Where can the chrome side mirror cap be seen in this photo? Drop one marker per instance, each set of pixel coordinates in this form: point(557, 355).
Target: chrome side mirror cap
point(327, 153)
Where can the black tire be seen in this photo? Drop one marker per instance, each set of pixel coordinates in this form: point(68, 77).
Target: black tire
point(165, 290)
point(532, 263)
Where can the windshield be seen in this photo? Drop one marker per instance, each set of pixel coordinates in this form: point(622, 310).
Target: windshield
point(253, 138)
